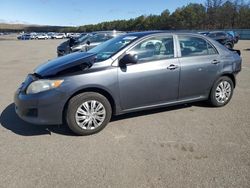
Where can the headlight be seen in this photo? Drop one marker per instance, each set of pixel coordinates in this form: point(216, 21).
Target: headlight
point(43, 85)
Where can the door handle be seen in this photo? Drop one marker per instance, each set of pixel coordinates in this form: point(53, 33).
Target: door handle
point(215, 62)
point(172, 67)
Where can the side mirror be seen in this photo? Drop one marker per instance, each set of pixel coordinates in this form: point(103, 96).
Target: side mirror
point(128, 59)
point(88, 42)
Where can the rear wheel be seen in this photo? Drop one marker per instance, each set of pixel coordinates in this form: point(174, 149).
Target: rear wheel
point(221, 92)
point(88, 113)
point(229, 46)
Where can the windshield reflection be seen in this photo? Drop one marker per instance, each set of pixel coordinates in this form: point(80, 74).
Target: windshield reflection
point(111, 47)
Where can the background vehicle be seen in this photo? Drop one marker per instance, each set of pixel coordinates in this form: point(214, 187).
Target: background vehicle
point(223, 38)
point(24, 37)
point(50, 34)
point(86, 41)
point(128, 73)
point(41, 36)
point(235, 36)
point(58, 36)
point(72, 35)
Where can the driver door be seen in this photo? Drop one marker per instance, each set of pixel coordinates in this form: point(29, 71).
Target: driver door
point(154, 79)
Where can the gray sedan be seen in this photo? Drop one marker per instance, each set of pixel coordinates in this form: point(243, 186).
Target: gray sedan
point(131, 72)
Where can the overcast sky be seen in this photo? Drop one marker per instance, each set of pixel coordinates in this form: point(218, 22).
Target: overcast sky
point(81, 12)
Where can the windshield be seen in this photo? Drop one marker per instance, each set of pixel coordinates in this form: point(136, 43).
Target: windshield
point(111, 47)
point(83, 38)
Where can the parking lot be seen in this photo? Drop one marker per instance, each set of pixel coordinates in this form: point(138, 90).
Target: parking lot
point(190, 145)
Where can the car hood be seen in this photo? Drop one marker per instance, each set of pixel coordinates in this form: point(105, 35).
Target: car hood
point(63, 63)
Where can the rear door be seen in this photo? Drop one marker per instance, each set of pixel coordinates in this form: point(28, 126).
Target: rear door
point(200, 65)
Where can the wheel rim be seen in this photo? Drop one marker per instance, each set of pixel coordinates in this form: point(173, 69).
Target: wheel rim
point(90, 115)
point(223, 92)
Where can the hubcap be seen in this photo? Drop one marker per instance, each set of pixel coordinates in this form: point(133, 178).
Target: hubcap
point(90, 115)
point(223, 92)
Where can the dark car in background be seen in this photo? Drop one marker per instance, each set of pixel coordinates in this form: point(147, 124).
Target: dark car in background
point(235, 36)
point(223, 38)
point(85, 42)
point(24, 37)
point(128, 73)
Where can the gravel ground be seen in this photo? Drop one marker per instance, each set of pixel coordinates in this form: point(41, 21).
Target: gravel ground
point(190, 145)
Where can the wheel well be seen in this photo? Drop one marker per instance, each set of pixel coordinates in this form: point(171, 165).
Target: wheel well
point(96, 90)
point(231, 76)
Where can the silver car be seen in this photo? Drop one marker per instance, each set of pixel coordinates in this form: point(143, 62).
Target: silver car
point(86, 41)
point(131, 72)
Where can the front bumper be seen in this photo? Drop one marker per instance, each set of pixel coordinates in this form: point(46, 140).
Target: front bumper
point(42, 108)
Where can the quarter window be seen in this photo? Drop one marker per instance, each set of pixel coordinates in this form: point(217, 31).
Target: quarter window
point(194, 46)
point(155, 48)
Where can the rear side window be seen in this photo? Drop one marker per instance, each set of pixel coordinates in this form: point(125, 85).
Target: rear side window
point(155, 48)
point(195, 46)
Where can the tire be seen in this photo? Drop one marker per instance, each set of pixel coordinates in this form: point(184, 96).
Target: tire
point(220, 97)
point(89, 121)
point(229, 46)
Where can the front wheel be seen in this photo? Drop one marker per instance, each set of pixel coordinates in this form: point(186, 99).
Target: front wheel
point(221, 92)
point(88, 113)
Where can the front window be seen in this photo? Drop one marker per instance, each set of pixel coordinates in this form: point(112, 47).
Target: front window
point(111, 47)
point(155, 48)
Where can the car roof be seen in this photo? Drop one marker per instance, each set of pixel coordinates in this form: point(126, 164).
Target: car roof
point(217, 32)
point(108, 32)
point(203, 32)
point(147, 33)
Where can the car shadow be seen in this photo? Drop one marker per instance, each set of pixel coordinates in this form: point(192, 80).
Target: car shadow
point(12, 122)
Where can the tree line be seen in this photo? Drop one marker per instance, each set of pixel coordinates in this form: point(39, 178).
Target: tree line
point(213, 14)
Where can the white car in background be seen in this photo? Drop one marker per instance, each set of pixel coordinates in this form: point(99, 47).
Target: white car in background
point(42, 36)
point(73, 35)
point(59, 36)
point(33, 35)
point(50, 34)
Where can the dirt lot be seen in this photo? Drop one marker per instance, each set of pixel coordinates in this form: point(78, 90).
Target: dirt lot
point(185, 146)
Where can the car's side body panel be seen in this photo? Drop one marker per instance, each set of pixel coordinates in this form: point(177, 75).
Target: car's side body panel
point(197, 75)
point(148, 83)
